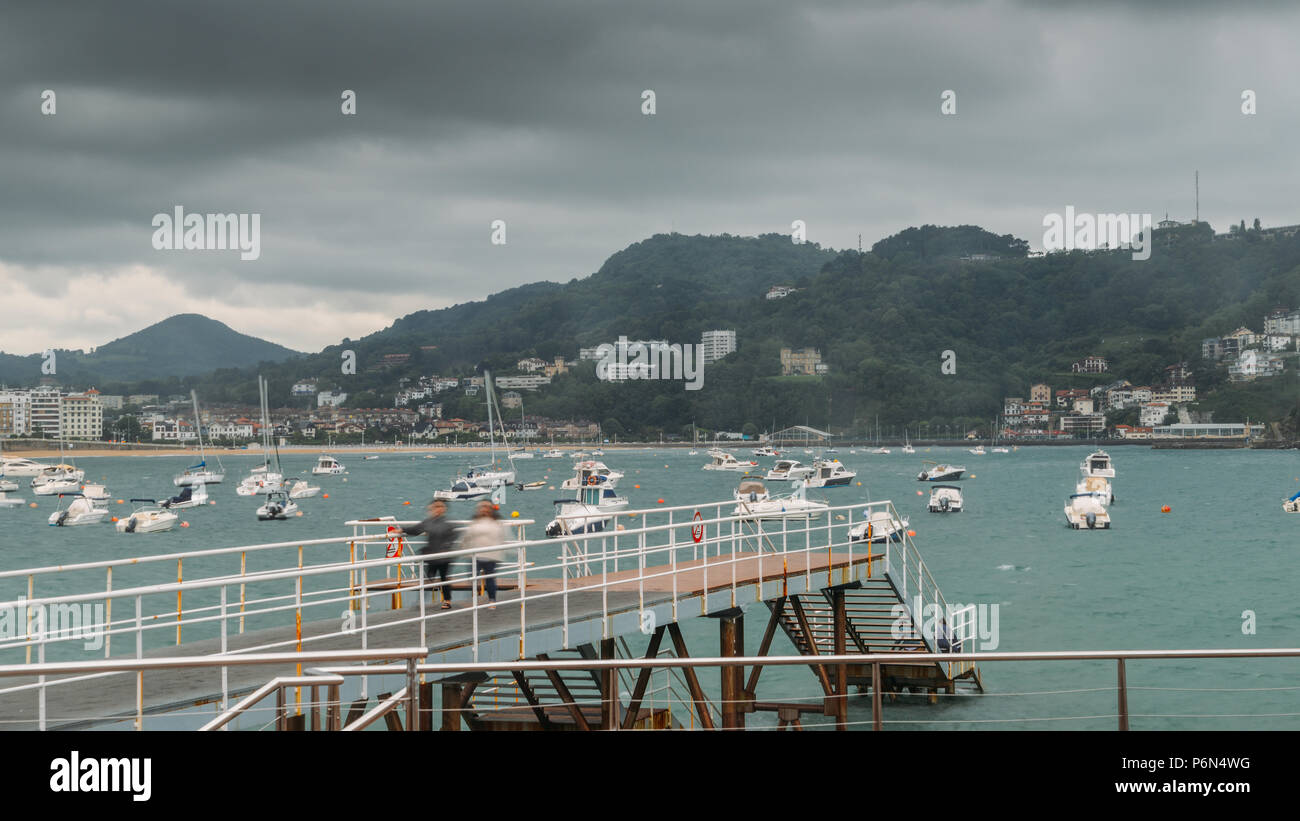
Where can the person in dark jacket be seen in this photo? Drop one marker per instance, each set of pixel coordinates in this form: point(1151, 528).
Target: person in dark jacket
point(441, 536)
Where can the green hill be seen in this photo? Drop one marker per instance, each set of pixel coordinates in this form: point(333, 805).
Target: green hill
point(185, 345)
point(881, 319)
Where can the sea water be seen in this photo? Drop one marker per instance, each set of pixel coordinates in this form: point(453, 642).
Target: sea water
point(1196, 577)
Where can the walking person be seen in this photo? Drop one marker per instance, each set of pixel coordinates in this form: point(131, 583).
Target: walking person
point(441, 535)
point(486, 531)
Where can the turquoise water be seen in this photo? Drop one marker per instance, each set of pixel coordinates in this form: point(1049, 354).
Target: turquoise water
point(1177, 580)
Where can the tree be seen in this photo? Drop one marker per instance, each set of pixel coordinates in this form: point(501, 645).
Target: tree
point(1256, 226)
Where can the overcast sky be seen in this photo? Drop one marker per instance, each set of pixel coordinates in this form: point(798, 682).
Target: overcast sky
point(530, 112)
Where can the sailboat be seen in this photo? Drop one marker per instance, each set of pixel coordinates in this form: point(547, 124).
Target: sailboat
point(907, 442)
point(878, 449)
point(997, 434)
point(520, 452)
point(60, 478)
point(695, 441)
point(200, 474)
point(262, 480)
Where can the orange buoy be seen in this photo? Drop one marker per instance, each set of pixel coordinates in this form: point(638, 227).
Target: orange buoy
point(114, 519)
point(33, 504)
point(185, 524)
point(1165, 509)
point(912, 533)
point(406, 503)
point(638, 487)
point(299, 513)
point(661, 501)
point(119, 501)
point(919, 493)
point(325, 495)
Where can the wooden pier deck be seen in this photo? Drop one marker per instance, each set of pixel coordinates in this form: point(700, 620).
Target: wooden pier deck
point(591, 615)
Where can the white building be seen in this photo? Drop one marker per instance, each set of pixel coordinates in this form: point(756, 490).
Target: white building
point(330, 399)
point(530, 383)
point(304, 388)
point(1253, 364)
point(780, 291)
point(1283, 322)
point(15, 413)
point(1153, 414)
point(81, 416)
point(235, 431)
point(717, 344)
point(530, 365)
point(45, 402)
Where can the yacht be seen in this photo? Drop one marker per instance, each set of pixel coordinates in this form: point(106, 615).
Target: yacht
point(57, 487)
point(278, 507)
point(81, 511)
point(1098, 463)
point(301, 489)
point(788, 470)
point(978, 450)
point(327, 465)
point(520, 454)
point(1000, 449)
point(722, 460)
point(58, 473)
point(829, 473)
point(1099, 486)
point(907, 443)
point(147, 519)
point(262, 479)
point(598, 452)
point(7, 486)
point(940, 473)
point(461, 490)
point(553, 453)
point(765, 450)
point(591, 473)
point(7, 501)
point(945, 499)
point(195, 495)
point(1291, 505)
point(21, 468)
point(881, 526)
point(1085, 511)
point(259, 482)
point(754, 503)
point(581, 515)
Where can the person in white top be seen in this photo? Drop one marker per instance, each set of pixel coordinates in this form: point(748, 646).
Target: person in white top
point(485, 531)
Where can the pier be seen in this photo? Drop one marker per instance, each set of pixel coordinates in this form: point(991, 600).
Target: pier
point(610, 600)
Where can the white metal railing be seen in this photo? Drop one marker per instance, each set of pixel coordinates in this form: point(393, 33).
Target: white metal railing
point(667, 543)
point(932, 619)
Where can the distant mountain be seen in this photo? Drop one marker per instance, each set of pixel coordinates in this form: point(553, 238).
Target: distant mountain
point(179, 346)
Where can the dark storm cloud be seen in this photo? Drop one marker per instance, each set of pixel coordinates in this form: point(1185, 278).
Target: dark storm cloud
point(530, 112)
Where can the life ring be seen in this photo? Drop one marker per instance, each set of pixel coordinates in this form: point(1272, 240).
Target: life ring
point(697, 530)
point(395, 542)
point(591, 480)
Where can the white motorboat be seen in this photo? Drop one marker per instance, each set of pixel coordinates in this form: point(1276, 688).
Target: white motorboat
point(461, 490)
point(369, 458)
point(1098, 485)
point(907, 443)
point(598, 452)
point(490, 478)
point(879, 451)
point(722, 460)
point(909, 449)
point(753, 502)
point(327, 465)
point(1098, 463)
point(881, 526)
point(1085, 511)
point(57, 487)
point(195, 495)
point(829, 473)
point(520, 454)
point(147, 519)
point(1000, 449)
point(591, 473)
point(941, 472)
point(301, 489)
point(278, 507)
point(765, 450)
point(978, 450)
point(7, 501)
point(58, 473)
point(1291, 505)
point(260, 483)
point(581, 515)
point(96, 493)
point(945, 499)
point(7, 486)
point(81, 511)
point(553, 453)
point(788, 470)
point(22, 468)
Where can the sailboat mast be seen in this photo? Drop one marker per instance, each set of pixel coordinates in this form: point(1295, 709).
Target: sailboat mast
point(198, 426)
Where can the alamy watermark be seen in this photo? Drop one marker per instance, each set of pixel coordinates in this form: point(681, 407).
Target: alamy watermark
point(953, 628)
point(1090, 232)
point(208, 232)
point(651, 360)
point(55, 622)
